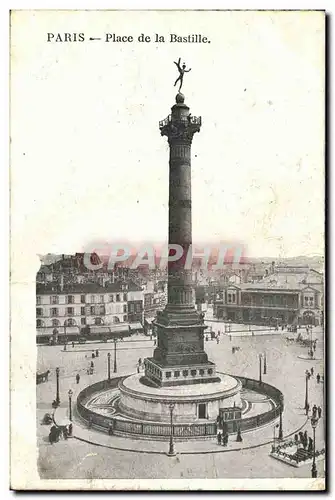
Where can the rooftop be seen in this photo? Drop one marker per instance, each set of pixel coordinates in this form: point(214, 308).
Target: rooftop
point(83, 288)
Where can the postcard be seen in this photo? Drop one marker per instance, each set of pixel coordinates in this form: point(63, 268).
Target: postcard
point(167, 250)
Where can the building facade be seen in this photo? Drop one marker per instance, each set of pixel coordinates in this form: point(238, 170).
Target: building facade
point(67, 309)
point(291, 295)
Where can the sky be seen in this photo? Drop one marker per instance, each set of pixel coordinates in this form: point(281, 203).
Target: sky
point(87, 159)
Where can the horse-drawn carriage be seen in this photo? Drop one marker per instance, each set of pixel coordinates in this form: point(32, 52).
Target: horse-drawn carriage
point(42, 377)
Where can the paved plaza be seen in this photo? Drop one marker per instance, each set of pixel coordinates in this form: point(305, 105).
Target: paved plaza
point(96, 455)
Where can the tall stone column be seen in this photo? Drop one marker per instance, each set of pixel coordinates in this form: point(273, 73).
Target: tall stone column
point(180, 356)
point(179, 128)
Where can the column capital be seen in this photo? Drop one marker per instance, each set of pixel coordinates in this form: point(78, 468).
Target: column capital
point(180, 125)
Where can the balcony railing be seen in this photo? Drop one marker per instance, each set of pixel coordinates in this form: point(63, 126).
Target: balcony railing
point(194, 120)
point(262, 306)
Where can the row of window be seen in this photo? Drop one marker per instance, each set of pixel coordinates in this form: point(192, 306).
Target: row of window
point(135, 307)
point(69, 299)
point(309, 301)
point(231, 299)
point(72, 322)
point(84, 311)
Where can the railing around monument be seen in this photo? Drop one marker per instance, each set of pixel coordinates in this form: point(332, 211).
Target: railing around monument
point(182, 431)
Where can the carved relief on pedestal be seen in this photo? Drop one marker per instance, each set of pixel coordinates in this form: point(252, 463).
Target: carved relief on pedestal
point(184, 348)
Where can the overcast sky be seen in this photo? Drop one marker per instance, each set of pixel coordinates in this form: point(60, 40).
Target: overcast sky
point(88, 161)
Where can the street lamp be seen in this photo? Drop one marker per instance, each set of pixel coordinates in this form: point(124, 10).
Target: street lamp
point(306, 391)
point(109, 365)
point(115, 368)
point(172, 451)
point(274, 436)
point(314, 423)
point(57, 387)
point(70, 394)
point(264, 363)
point(280, 432)
point(260, 368)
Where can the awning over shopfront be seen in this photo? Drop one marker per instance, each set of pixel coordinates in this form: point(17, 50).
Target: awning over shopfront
point(57, 330)
point(99, 330)
point(108, 331)
point(136, 326)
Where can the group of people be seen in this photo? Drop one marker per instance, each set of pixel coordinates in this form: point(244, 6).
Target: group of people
point(312, 349)
point(90, 370)
point(304, 440)
point(56, 433)
point(316, 411)
point(310, 373)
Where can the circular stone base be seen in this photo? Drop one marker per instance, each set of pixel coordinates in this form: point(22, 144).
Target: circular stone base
point(192, 403)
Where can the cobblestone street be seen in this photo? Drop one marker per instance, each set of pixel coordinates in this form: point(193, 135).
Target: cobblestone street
point(105, 459)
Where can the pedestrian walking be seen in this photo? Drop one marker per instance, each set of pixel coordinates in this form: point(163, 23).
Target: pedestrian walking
point(97, 353)
point(312, 371)
point(301, 437)
point(77, 378)
point(319, 411)
point(307, 408)
point(318, 378)
point(72, 344)
point(93, 355)
point(219, 437)
point(70, 429)
point(92, 364)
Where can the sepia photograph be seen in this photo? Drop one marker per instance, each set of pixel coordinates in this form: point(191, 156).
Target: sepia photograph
point(168, 250)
